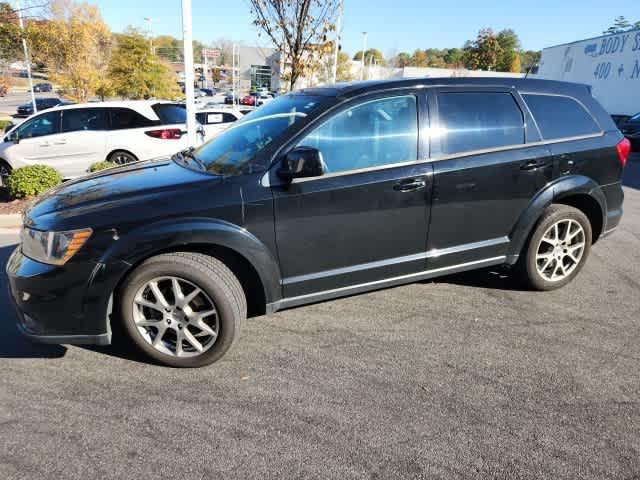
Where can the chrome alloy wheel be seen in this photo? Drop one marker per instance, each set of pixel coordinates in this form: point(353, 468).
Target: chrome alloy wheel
point(560, 250)
point(122, 158)
point(176, 317)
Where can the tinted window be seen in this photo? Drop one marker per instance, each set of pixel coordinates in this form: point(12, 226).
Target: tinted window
point(83, 119)
point(122, 118)
point(479, 120)
point(170, 113)
point(378, 132)
point(560, 117)
point(206, 118)
point(45, 124)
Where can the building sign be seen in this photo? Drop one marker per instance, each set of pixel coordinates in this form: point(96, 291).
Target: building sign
point(210, 53)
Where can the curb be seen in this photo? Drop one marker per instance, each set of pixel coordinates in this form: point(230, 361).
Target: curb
point(11, 220)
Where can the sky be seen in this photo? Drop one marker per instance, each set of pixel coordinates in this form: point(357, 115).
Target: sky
point(401, 25)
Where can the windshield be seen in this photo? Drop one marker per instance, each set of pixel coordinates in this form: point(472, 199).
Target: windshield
point(232, 152)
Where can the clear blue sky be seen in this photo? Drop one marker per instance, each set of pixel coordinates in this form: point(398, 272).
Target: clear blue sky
point(392, 24)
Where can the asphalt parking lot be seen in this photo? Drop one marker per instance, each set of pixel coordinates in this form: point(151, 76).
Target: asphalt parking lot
point(462, 377)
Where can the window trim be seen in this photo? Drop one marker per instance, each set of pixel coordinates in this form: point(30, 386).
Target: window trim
point(575, 99)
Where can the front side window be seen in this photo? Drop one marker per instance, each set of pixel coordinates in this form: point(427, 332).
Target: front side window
point(472, 121)
point(375, 133)
point(44, 124)
point(84, 119)
point(560, 117)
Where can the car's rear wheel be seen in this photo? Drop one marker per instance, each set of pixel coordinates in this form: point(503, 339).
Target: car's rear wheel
point(5, 171)
point(557, 249)
point(120, 157)
point(183, 309)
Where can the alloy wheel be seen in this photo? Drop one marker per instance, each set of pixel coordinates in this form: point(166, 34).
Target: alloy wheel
point(122, 158)
point(560, 250)
point(176, 317)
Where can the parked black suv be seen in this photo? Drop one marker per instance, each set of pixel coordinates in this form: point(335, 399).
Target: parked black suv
point(26, 109)
point(318, 194)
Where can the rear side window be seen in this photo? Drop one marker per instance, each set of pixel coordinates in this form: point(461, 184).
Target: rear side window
point(478, 121)
point(560, 117)
point(84, 119)
point(205, 118)
point(169, 113)
point(123, 118)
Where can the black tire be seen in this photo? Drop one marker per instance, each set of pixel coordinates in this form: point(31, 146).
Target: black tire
point(528, 263)
point(209, 274)
point(5, 171)
point(120, 157)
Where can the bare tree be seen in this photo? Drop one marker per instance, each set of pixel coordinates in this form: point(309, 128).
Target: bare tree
point(296, 27)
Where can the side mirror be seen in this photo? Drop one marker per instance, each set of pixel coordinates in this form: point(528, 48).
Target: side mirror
point(301, 162)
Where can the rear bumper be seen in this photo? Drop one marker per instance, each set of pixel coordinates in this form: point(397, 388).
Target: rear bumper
point(61, 304)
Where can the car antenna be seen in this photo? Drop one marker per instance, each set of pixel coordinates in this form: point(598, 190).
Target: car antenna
point(529, 70)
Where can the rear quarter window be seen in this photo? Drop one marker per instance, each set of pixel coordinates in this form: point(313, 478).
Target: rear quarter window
point(124, 118)
point(560, 117)
point(170, 113)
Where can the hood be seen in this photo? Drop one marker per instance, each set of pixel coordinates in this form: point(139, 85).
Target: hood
point(120, 187)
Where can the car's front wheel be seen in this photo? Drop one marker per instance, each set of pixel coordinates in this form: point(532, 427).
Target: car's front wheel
point(183, 309)
point(557, 249)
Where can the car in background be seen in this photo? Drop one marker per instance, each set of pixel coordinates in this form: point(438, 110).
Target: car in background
point(256, 99)
point(70, 138)
point(42, 87)
point(208, 92)
point(631, 130)
point(248, 100)
point(230, 98)
point(26, 109)
point(214, 121)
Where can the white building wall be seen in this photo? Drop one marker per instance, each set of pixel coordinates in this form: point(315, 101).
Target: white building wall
point(609, 64)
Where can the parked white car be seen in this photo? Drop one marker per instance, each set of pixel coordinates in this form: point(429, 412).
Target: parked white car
point(70, 138)
point(217, 120)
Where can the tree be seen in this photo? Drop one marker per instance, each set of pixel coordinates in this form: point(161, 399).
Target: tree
point(529, 59)
point(294, 27)
point(343, 72)
point(620, 24)
point(74, 45)
point(484, 53)
point(136, 73)
point(403, 59)
point(419, 58)
point(10, 48)
point(454, 57)
point(510, 44)
point(371, 54)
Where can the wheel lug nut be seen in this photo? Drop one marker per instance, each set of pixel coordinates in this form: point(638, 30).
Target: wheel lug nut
point(168, 321)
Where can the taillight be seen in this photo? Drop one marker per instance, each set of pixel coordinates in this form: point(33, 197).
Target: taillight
point(624, 150)
point(166, 133)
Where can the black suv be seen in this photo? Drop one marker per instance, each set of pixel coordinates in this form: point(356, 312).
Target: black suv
point(318, 194)
point(26, 109)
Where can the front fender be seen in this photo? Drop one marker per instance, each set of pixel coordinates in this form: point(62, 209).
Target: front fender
point(145, 241)
point(554, 191)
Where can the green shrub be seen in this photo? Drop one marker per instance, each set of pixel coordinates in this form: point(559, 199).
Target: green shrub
point(103, 165)
point(3, 124)
point(32, 180)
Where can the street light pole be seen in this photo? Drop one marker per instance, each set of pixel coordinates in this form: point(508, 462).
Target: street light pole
point(187, 40)
point(334, 71)
point(26, 57)
point(149, 20)
point(364, 49)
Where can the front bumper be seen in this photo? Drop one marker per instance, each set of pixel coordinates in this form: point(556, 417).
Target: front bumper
point(61, 304)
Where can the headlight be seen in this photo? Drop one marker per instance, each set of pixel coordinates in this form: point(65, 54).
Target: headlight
point(54, 248)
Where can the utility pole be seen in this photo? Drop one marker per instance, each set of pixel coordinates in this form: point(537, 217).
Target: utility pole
point(334, 71)
point(364, 49)
point(187, 40)
point(26, 57)
point(233, 73)
point(149, 20)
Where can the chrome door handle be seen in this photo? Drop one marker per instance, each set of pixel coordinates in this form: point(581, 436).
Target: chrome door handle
point(410, 186)
point(46, 144)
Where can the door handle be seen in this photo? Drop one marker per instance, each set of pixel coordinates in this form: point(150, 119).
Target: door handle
point(533, 164)
point(62, 141)
point(410, 185)
point(45, 144)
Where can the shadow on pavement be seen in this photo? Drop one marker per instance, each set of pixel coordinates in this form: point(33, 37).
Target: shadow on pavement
point(12, 343)
point(486, 278)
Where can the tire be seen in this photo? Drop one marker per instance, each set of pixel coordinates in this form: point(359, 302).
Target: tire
point(143, 323)
point(5, 171)
point(120, 157)
point(551, 259)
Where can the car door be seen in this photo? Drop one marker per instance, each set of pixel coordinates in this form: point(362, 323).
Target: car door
point(488, 164)
point(83, 137)
point(366, 218)
point(36, 140)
